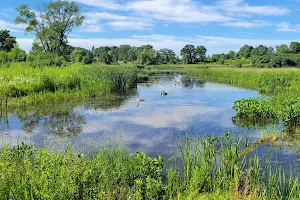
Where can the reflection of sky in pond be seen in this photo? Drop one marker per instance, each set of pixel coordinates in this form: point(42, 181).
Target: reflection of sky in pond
point(154, 126)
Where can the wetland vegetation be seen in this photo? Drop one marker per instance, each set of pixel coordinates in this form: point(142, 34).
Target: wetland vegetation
point(45, 88)
point(213, 168)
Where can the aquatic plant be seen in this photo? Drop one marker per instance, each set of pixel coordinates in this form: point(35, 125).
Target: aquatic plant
point(213, 167)
point(256, 108)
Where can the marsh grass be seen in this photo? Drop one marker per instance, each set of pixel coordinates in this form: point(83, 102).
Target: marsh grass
point(267, 81)
point(213, 168)
point(282, 86)
point(23, 84)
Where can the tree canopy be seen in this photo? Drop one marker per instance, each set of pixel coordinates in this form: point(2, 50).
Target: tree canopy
point(52, 24)
point(7, 42)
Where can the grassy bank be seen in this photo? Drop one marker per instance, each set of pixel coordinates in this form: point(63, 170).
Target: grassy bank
point(23, 84)
point(280, 85)
point(213, 168)
point(267, 81)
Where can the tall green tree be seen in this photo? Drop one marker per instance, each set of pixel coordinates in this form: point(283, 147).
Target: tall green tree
point(123, 52)
point(231, 55)
point(132, 55)
point(201, 53)
point(104, 54)
point(245, 51)
point(271, 50)
point(52, 25)
point(295, 47)
point(7, 42)
point(78, 54)
point(146, 55)
point(114, 51)
point(259, 51)
point(188, 54)
point(167, 56)
point(282, 49)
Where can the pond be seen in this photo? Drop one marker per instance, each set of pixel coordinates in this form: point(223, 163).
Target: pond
point(155, 126)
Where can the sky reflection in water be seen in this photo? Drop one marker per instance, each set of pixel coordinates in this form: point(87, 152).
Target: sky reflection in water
point(154, 126)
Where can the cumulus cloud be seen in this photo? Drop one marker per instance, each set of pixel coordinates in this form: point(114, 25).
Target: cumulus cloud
point(287, 27)
point(240, 7)
point(25, 43)
point(96, 20)
point(10, 26)
point(213, 44)
point(186, 11)
point(229, 12)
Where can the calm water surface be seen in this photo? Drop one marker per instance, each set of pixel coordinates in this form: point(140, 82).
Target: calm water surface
point(154, 126)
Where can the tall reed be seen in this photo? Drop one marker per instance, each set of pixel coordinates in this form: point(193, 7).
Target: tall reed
point(25, 84)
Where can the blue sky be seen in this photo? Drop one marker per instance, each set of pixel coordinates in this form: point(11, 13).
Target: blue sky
point(219, 25)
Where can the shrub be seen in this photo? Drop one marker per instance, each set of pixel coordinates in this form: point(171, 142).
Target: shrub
point(16, 55)
point(43, 59)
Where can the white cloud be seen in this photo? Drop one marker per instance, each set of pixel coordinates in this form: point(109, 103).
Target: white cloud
point(186, 11)
point(95, 20)
point(177, 118)
point(213, 44)
point(287, 27)
point(104, 16)
point(132, 25)
point(11, 27)
point(241, 7)
point(25, 43)
point(247, 24)
point(91, 25)
point(236, 43)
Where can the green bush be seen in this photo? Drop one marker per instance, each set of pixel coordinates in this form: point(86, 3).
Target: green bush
point(16, 55)
point(43, 59)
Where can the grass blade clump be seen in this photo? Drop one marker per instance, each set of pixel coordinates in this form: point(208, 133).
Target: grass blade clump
point(25, 84)
point(212, 169)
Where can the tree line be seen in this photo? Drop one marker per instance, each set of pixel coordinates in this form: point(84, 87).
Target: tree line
point(145, 54)
point(55, 21)
point(261, 56)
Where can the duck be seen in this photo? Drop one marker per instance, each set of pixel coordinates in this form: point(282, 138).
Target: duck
point(163, 93)
point(139, 99)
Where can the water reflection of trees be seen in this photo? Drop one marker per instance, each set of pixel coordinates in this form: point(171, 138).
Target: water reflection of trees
point(291, 131)
point(4, 123)
point(190, 82)
point(62, 119)
point(252, 122)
